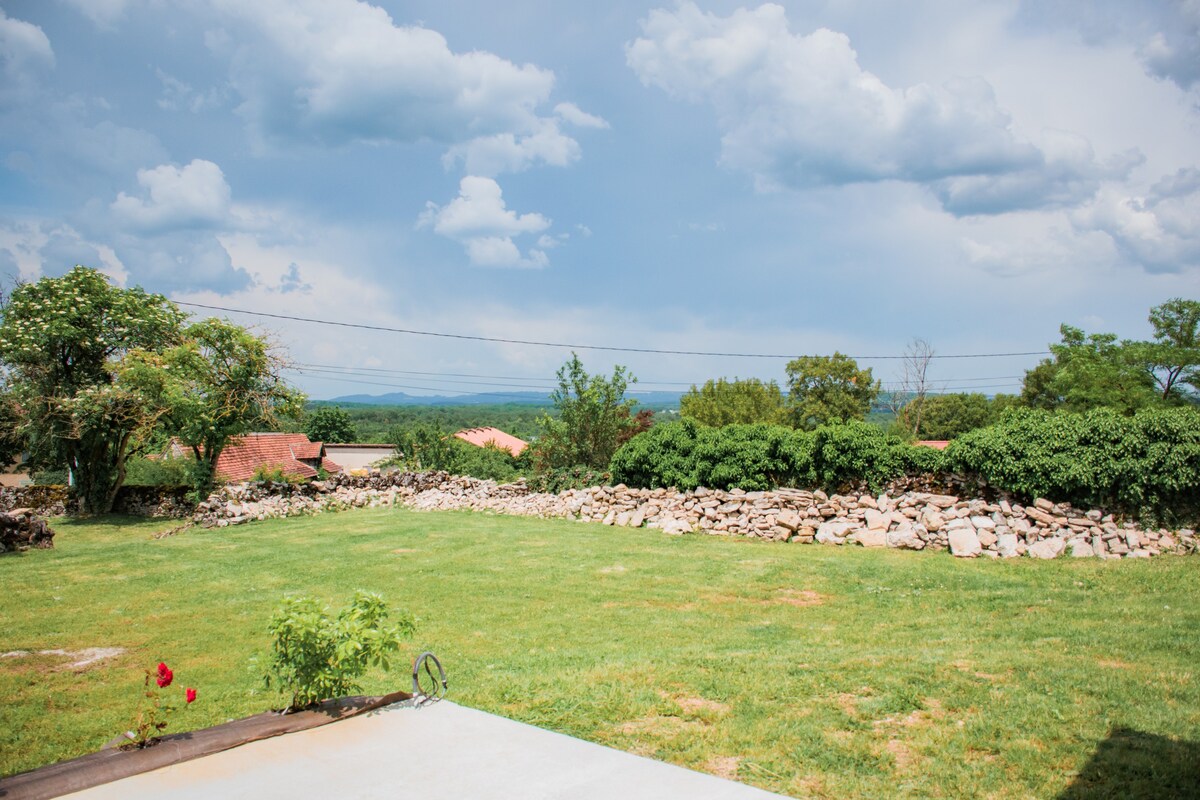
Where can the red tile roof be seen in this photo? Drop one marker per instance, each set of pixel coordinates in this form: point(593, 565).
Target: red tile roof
point(244, 455)
point(936, 444)
point(484, 436)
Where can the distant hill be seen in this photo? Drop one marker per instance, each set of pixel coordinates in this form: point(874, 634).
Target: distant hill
point(650, 399)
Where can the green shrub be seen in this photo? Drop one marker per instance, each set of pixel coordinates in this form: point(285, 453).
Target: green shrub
point(140, 471)
point(275, 473)
point(855, 451)
point(315, 657)
point(1145, 464)
point(563, 478)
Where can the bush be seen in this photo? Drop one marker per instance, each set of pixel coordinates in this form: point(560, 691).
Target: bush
point(686, 454)
point(160, 471)
point(563, 478)
point(1147, 464)
point(315, 657)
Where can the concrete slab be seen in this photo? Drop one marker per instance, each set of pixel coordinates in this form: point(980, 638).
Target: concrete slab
point(437, 751)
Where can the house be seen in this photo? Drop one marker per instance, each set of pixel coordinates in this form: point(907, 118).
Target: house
point(357, 455)
point(481, 437)
point(246, 454)
point(936, 444)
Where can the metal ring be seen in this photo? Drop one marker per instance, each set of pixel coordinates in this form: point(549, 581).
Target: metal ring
point(437, 684)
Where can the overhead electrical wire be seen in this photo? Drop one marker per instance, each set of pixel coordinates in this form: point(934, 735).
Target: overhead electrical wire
point(566, 345)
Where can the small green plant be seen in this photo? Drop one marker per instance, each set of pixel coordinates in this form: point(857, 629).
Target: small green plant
point(151, 718)
point(316, 656)
point(274, 473)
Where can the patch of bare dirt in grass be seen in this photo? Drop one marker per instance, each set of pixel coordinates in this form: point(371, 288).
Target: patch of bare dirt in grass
point(405, 550)
point(79, 659)
point(722, 766)
point(615, 569)
point(695, 705)
point(901, 754)
point(659, 726)
point(963, 665)
point(932, 711)
point(1114, 663)
point(783, 597)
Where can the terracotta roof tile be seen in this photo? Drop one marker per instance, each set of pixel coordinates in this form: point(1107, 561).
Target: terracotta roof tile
point(483, 436)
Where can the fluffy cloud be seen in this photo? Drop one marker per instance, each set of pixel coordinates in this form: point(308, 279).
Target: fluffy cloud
point(799, 111)
point(194, 196)
point(479, 219)
point(1164, 33)
point(339, 71)
point(24, 53)
point(1157, 231)
point(574, 115)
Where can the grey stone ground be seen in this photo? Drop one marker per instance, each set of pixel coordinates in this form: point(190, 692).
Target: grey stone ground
point(438, 751)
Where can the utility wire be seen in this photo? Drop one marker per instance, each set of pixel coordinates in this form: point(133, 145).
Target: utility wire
point(656, 351)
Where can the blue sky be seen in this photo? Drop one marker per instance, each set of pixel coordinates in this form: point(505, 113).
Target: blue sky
point(786, 178)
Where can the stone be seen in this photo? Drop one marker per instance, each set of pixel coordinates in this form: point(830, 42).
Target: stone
point(942, 500)
point(870, 537)
point(987, 538)
point(1047, 548)
point(933, 520)
point(1080, 548)
point(905, 538)
point(983, 523)
point(789, 519)
point(1006, 545)
point(1043, 504)
point(876, 520)
point(964, 543)
point(833, 532)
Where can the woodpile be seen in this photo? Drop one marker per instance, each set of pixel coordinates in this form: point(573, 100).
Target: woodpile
point(21, 529)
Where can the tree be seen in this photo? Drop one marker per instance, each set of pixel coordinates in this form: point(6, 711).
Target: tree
point(592, 415)
point(330, 424)
point(826, 389)
point(1173, 358)
point(908, 398)
point(734, 402)
point(221, 382)
point(1089, 371)
point(63, 341)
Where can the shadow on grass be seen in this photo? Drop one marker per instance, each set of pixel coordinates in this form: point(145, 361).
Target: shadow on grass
point(1139, 766)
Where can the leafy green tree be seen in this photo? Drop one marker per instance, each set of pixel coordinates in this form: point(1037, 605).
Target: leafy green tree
point(1173, 358)
point(946, 416)
point(825, 389)
point(592, 415)
point(330, 424)
point(220, 382)
point(1089, 371)
point(63, 341)
point(721, 402)
point(13, 440)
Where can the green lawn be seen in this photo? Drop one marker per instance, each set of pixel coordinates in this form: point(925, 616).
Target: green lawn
point(807, 670)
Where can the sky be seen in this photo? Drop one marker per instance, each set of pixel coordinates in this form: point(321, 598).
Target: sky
point(765, 180)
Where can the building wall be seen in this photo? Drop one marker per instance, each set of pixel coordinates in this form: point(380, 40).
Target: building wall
point(353, 456)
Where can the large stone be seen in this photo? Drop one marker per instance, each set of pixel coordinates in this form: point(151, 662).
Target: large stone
point(964, 543)
point(869, 537)
point(1080, 548)
point(905, 538)
point(1006, 545)
point(789, 520)
point(1047, 548)
point(987, 538)
point(876, 520)
point(983, 523)
point(942, 500)
point(834, 532)
point(933, 520)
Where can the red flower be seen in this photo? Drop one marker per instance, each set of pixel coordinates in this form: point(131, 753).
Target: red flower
point(165, 676)
point(190, 694)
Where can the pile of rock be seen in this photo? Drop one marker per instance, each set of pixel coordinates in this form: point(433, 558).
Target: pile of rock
point(21, 529)
point(912, 520)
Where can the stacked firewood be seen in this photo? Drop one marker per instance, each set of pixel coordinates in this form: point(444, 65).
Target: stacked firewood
point(21, 529)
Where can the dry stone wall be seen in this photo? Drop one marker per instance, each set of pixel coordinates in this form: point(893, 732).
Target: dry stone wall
point(913, 520)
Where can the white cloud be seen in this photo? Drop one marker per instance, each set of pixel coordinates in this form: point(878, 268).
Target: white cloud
point(340, 71)
point(1164, 33)
point(103, 13)
point(511, 152)
point(194, 196)
point(180, 96)
point(479, 219)
point(1157, 231)
point(573, 114)
point(799, 111)
point(24, 52)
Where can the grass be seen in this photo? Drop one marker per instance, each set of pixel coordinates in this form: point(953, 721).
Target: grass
point(806, 670)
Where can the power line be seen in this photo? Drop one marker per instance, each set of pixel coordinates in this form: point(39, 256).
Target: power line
point(656, 351)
